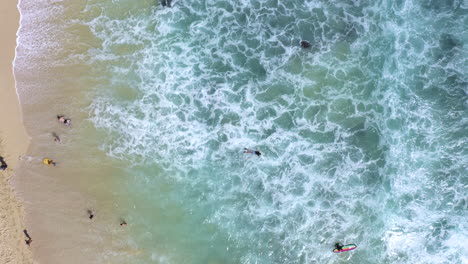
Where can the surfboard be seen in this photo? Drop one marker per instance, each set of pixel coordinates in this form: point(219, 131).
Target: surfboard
point(345, 248)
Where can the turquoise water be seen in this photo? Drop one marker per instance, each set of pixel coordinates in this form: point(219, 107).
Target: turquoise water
point(363, 135)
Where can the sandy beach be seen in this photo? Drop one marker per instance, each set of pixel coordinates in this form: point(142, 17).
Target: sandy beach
point(13, 143)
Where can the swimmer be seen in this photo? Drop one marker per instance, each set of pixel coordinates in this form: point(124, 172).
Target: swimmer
point(56, 137)
point(305, 44)
point(249, 151)
point(64, 120)
point(123, 223)
point(90, 214)
point(49, 162)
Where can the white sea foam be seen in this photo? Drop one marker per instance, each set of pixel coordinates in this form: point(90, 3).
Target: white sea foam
point(351, 145)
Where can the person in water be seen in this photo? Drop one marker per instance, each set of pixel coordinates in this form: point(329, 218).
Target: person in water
point(166, 3)
point(29, 239)
point(305, 44)
point(338, 246)
point(123, 223)
point(3, 164)
point(249, 151)
point(56, 137)
point(64, 120)
point(90, 214)
point(50, 162)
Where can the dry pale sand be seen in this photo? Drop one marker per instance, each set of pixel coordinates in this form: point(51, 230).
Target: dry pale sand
point(13, 143)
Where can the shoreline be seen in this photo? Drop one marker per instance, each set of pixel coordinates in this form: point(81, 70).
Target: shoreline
point(56, 200)
point(13, 143)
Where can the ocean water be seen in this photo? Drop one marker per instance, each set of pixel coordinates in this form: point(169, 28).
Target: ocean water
point(363, 135)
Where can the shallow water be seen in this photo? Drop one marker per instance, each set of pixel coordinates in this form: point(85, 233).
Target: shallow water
point(363, 135)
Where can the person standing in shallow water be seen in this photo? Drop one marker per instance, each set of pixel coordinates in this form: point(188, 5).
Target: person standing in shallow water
point(90, 214)
point(3, 164)
point(64, 120)
point(29, 239)
point(56, 137)
point(253, 152)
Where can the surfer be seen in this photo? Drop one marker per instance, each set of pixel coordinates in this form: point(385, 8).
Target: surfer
point(64, 120)
point(249, 151)
point(343, 248)
point(338, 246)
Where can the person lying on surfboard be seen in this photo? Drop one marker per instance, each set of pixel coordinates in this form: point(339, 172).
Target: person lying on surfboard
point(343, 248)
point(338, 246)
point(249, 151)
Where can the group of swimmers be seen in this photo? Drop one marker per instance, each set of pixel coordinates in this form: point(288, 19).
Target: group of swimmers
point(65, 121)
point(123, 223)
point(91, 216)
point(50, 162)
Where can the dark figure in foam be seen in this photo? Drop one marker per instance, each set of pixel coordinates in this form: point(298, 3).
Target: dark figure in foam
point(166, 3)
point(305, 44)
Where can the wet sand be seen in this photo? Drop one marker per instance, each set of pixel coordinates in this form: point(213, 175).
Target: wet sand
point(13, 143)
point(52, 81)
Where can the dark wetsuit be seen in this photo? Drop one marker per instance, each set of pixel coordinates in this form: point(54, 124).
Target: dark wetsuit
point(338, 246)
